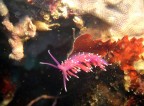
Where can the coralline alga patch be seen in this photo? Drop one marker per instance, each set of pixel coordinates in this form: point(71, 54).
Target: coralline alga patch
point(74, 64)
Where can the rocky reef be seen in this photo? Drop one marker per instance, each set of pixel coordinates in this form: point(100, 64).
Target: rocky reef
point(109, 29)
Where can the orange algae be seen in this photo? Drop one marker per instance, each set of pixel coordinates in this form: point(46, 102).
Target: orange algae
point(123, 52)
point(127, 51)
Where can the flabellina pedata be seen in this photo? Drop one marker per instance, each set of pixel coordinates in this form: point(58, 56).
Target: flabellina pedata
point(81, 61)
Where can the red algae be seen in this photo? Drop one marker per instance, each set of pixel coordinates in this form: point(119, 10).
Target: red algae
point(6, 86)
point(85, 43)
point(127, 51)
point(123, 52)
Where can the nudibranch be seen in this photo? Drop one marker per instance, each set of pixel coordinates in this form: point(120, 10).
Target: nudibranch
point(74, 64)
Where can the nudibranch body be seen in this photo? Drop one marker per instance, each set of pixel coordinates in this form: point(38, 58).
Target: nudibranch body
point(81, 61)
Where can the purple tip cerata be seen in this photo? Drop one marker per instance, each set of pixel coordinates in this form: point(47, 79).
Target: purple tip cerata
point(81, 61)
